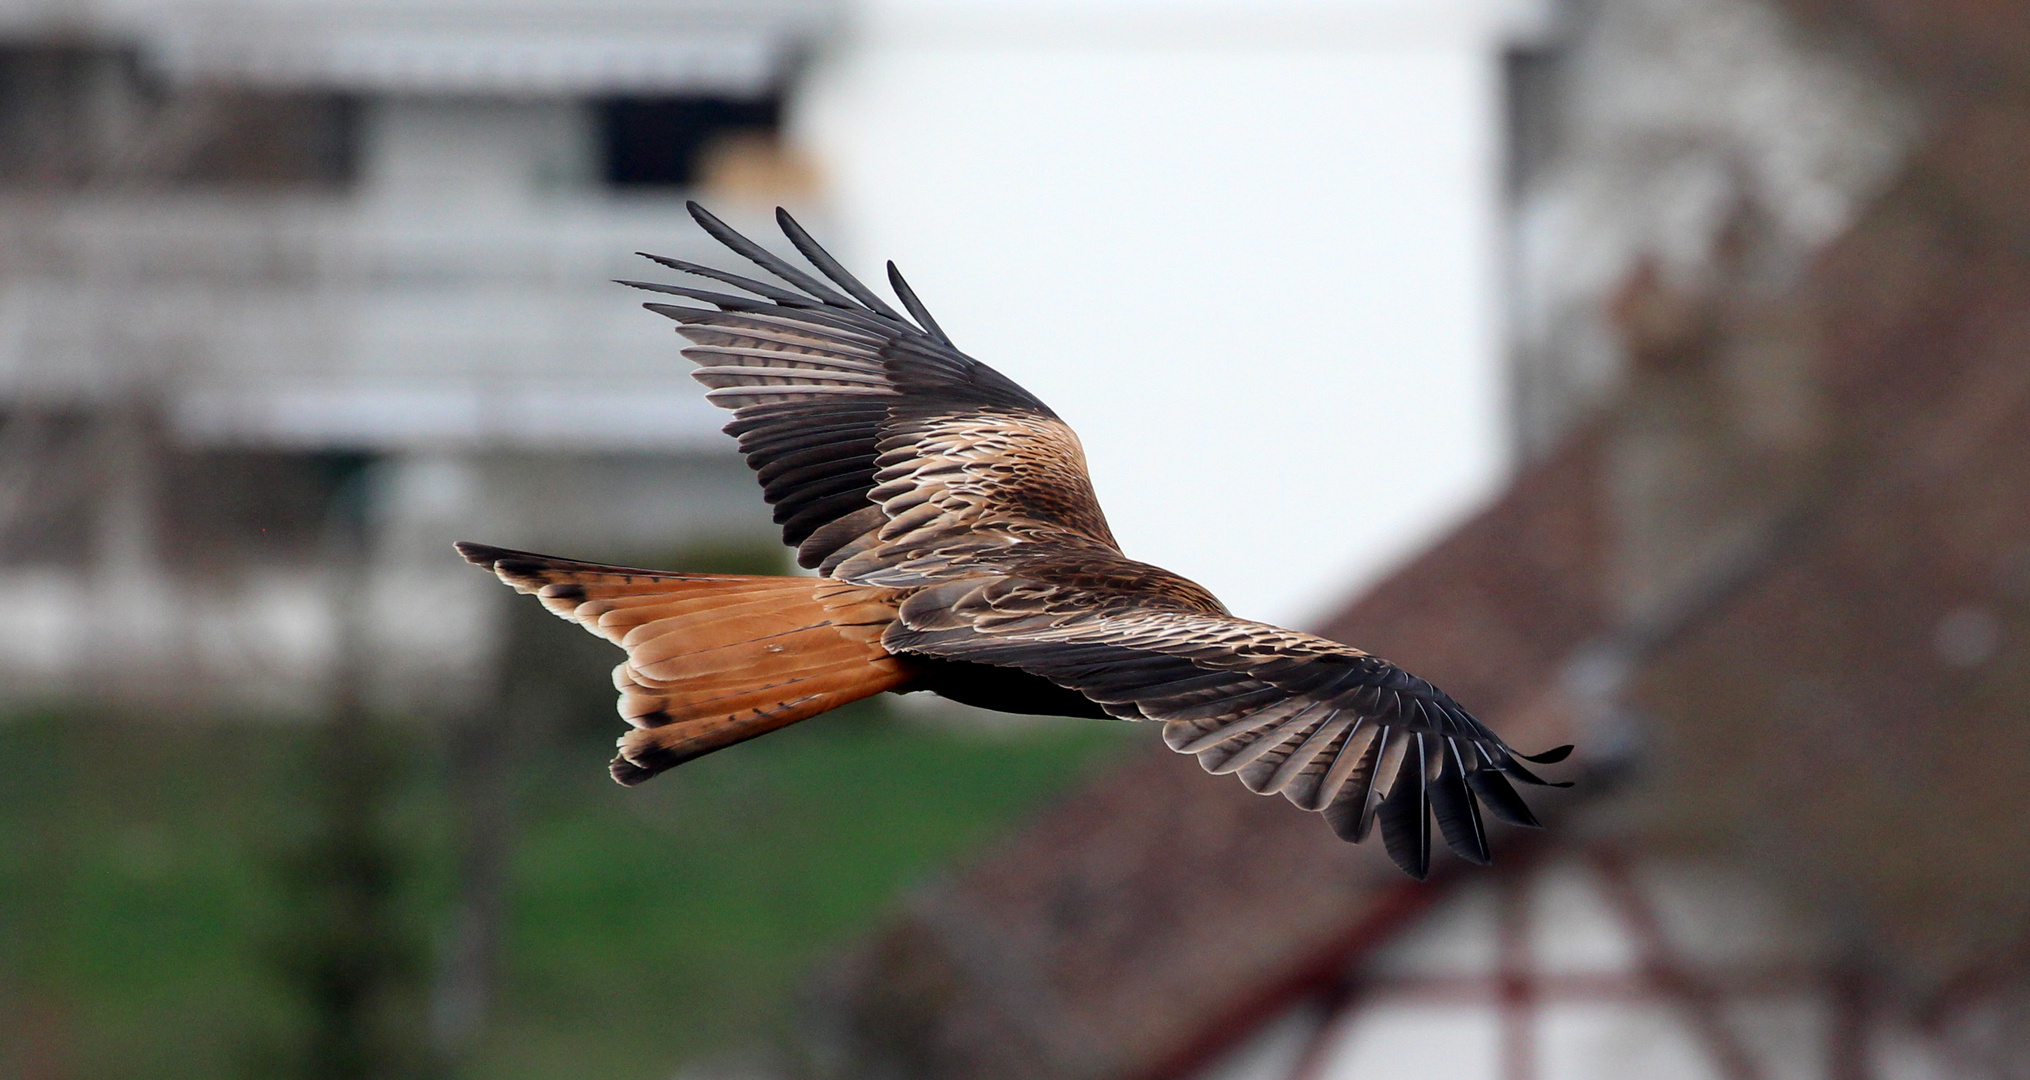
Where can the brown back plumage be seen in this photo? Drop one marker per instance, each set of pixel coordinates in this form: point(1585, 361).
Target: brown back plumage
point(961, 550)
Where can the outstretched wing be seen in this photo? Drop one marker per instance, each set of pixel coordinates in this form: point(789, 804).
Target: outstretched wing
point(1329, 727)
point(889, 456)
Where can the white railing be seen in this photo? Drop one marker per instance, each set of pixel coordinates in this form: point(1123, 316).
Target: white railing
point(343, 321)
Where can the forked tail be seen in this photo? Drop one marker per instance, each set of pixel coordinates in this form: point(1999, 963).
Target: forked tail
point(713, 659)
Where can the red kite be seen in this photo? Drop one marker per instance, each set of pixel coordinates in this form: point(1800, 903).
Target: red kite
point(960, 550)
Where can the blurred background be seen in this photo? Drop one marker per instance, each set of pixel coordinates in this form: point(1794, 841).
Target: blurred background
point(1652, 374)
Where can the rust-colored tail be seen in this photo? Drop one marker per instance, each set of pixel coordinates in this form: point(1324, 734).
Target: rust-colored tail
point(713, 659)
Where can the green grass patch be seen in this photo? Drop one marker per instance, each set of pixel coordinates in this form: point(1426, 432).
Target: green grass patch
point(153, 881)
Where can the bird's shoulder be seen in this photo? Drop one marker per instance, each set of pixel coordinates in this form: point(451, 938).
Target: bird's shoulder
point(1072, 575)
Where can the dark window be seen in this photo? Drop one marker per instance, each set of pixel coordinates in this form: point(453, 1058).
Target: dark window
point(65, 473)
point(74, 116)
point(661, 142)
point(47, 487)
point(273, 140)
point(1534, 79)
point(227, 508)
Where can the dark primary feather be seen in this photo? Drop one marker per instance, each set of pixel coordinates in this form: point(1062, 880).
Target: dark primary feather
point(759, 288)
point(829, 266)
point(1406, 813)
point(762, 257)
point(1453, 803)
point(725, 301)
point(1351, 815)
point(1499, 796)
point(916, 309)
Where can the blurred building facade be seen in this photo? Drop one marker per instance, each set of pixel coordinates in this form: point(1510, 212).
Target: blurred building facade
point(1769, 566)
point(268, 267)
point(359, 232)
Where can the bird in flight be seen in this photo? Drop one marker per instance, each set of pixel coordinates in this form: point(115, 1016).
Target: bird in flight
point(960, 550)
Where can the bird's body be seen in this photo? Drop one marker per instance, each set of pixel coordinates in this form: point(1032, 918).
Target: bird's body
point(960, 549)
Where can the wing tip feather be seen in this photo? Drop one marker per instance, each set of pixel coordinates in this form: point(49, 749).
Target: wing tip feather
point(480, 554)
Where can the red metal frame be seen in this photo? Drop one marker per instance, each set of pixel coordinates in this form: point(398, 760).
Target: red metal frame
point(1668, 971)
point(1949, 1023)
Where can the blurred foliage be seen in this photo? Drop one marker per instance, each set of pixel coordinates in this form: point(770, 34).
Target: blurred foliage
point(352, 951)
point(152, 897)
point(729, 555)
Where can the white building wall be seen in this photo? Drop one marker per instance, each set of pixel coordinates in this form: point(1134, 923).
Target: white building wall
point(1247, 250)
point(1595, 965)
